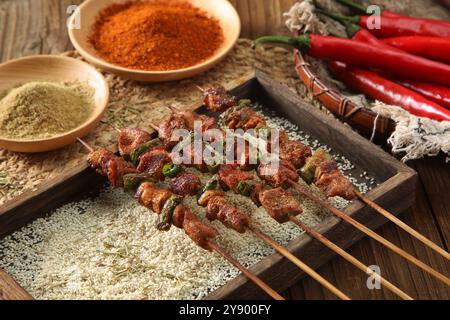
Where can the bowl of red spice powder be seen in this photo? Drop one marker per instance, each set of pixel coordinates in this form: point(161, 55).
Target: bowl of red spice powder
point(155, 40)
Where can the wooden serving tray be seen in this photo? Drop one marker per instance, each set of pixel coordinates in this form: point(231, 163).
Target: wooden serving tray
point(395, 192)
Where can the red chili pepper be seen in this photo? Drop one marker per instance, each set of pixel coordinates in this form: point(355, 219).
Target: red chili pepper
point(377, 87)
point(433, 92)
point(390, 14)
point(390, 60)
point(399, 26)
point(438, 94)
point(429, 47)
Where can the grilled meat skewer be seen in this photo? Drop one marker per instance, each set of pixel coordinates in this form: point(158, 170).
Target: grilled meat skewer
point(217, 99)
point(202, 234)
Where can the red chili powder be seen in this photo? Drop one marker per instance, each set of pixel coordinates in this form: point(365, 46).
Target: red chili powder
point(156, 35)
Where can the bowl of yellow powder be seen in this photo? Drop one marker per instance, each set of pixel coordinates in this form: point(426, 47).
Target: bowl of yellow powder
point(46, 102)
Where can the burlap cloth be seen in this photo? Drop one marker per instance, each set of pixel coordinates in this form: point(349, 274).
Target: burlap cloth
point(134, 104)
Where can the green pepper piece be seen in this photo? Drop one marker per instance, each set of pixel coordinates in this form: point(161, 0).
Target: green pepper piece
point(213, 168)
point(171, 170)
point(245, 187)
point(212, 184)
point(223, 119)
point(137, 153)
point(243, 103)
point(308, 171)
point(165, 218)
point(133, 180)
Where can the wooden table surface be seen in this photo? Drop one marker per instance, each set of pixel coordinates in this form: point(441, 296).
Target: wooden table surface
point(38, 27)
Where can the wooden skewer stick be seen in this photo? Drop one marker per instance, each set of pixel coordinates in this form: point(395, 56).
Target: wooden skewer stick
point(86, 145)
point(314, 234)
point(403, 225)
point(216, 248)
point(154, 126)
point(370, 233)
point(313, 274)
point(200, 88)
point(246, 272)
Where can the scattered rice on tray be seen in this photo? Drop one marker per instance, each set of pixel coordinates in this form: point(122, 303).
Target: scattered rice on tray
point(108, 247)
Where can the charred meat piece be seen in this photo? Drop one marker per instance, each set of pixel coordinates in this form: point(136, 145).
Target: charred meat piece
point(185, 184)
point(230, 177)
point(208, 195)
point(199, 232)
point(309, 170)
point(188, 153)
point(220, 209)
point(278, 174)
point(129, 139)
point(242, 156)
point(331, 180)
point(96, 157)
point(166, 130)
point(254, 195)
point(191, 117)
point(244, 118)
point(217, 99)
point(152, 197)
point(110, 165)
point(295, 152)
point(153, 162)
point(280, 204)
point(178, 216)
point(209, 123)
point(115, 169)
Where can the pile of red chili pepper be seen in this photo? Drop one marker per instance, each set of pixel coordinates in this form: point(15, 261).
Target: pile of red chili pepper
point(405, 62)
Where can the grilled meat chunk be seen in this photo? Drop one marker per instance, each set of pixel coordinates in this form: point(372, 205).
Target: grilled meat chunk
point(220, 209)
point(244, 118)
point(111, 166)
point(280, 204)
point(191, 117)
point(295, 152)
point(166, 130)
point(278, 177)
point(217, 99)
point(199, 232)
point(153, 162)
point(185, 184)
point(230, 177)
point(208, 195)
point(254, 195)
point(152, 197)
point(331, 180)
point(131, 138)
point(96, 158)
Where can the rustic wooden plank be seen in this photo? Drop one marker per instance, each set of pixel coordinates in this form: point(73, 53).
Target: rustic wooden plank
point(435, 176)
point(10, 289)
point(264, 18)
point(33, 27)
point(406, 276)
